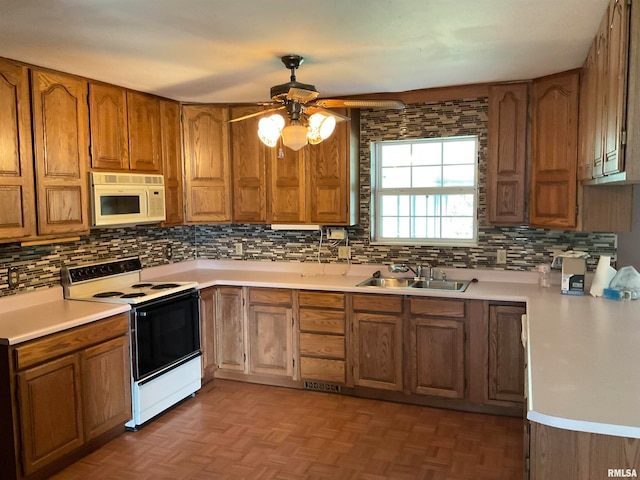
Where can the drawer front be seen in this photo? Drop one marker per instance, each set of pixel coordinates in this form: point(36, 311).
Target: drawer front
point(322, 300)
point(322, 345)
point(69, 341)
point(438, 307)
point(270, 296)
point(322, 321)
point(322, 369)
point(377, 303)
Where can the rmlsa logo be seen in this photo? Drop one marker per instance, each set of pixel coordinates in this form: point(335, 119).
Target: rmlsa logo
point(622, 473)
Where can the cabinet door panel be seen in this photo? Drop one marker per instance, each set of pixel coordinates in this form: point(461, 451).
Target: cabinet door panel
point(600, 122)
point(106, 386)
point(50, 412)
point(506, 170)
point(249, 158)
point(616, 86)
point(554, 151)
point(109, 136)
point(270, 340)
point(172, 161)
point(207, 165)
point(587, 108)
point(506, 355)
point(144, 132)
point(229, 329)
point(17, 195)
point(208, 331)
point(377, 351)
point(437, 357)
point(61, 131)
point(287, 192)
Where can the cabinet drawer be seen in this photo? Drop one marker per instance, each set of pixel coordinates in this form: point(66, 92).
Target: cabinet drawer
point(69, 341)
point(322, 345)
point(270, 296)
point(322, 321)
point(322, 299)
point(377, 303)
point(321, 369)
point(438, 307)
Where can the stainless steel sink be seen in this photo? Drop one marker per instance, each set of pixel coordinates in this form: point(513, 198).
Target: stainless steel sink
point(407, 282)
point(387, 282)
point(441, 285)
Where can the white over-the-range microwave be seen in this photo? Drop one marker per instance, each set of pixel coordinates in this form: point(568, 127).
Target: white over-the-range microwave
point(126, 199)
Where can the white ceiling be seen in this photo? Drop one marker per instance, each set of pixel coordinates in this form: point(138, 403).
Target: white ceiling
point(228, 50)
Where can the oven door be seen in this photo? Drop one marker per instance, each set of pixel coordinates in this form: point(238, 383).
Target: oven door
point(165, 333)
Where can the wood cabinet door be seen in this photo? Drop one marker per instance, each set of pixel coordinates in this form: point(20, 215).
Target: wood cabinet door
point(249, 157)
point(106, 386)
point(616, 86)
point(287, 193)
point(270, 335)
point(207, 165)
point(109, 134)
point(437, 357)
point(377, 351)
point(17, 195)
point(587, 108)
point(208, 331)
point(506, 169)
point(600, 89)
point(329, 182)
point(172, 161)
point(506, 354)
point(230, 336)
point(61, 140)
point(554, 151)
point(143, 114)
point(50, 412)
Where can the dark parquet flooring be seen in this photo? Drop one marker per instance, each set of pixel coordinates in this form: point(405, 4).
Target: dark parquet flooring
point(233, 430)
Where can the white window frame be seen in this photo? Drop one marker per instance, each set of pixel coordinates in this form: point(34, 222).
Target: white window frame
point(377, 192)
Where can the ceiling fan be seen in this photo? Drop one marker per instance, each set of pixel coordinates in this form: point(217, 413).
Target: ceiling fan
point(310, 117)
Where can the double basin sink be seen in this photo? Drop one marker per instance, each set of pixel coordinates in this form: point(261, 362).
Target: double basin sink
point(410, 282)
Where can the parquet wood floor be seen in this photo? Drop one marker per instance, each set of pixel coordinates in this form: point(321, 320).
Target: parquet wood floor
point(234, 430)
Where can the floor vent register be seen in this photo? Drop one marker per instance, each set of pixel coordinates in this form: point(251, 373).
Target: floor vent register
point(321, 386)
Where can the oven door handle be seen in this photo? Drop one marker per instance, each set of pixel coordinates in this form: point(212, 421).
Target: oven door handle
point(141, 314)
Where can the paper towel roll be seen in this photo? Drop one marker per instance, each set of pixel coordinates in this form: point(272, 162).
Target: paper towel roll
point(604, 273)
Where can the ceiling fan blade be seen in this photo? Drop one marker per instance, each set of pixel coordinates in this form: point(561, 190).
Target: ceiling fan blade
point(251, 115)
point(311, 109)
point(346, 103)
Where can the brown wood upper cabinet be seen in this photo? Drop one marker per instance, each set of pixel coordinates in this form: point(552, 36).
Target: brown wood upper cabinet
point(207, 164)
point(61, 141)
point(17, 193)
point(249, 158)
point(125, 130)
point(170, 130)
point(507, 150)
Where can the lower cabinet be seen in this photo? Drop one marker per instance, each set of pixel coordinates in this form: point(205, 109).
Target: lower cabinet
point(71, 388)
point(437, 349)
point(377, 341)
point(230, 337)
point(208, 332)
point(505, 353)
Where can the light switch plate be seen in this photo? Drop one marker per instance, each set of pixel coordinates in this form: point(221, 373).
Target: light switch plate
point(501, 256)
point(344, 252)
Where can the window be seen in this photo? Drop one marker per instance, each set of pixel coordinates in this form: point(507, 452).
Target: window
point(425, 191)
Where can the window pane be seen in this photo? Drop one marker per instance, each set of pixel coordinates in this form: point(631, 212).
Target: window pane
point(419, 227)
point(433, 227)
point(427, 177)
point(457, 227)
point(389, 205)
point(397, 177)
point(457, 205)
point(463, 151)
point(403, 227)
point(433, 205)
point(396, 155)
point(420, 205)
point(390, 227)
point(429, 153)
point(459, 176)
point(404, 208)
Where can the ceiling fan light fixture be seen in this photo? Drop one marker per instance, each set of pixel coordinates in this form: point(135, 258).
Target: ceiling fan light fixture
point(269, 129)
point(294, 136)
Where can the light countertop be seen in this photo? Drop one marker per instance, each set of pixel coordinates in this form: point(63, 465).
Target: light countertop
point(582, 352)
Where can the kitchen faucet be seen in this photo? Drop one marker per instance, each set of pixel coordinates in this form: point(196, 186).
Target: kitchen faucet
point(418, 271)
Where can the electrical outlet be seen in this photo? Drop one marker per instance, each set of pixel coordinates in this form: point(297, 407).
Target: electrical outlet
point(344, 252)
point(168, 252)
point(337, 234)
point(14, 277)
point(238, 249)
point(501, 256)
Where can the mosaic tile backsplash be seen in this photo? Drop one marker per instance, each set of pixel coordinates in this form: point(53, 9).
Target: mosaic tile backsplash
point(526, 247)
